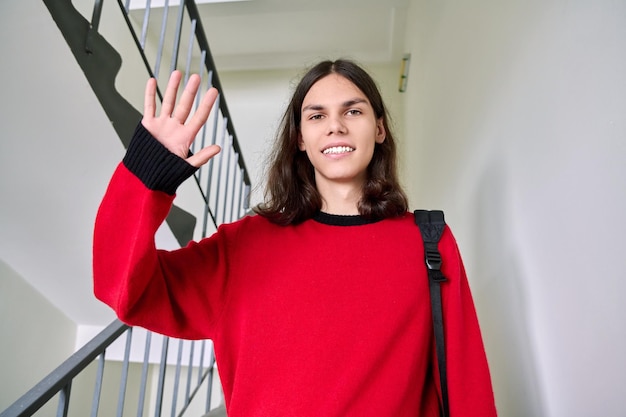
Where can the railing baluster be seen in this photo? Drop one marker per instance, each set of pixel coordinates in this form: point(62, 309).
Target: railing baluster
point(144, 375)
point(207, 191)
point(144, 26)
point(234, 188)
point(241, 196)
point(196, 105)
point(64, 400)
point(241, 188)
point(95, 404)
point(201, 364)
point(161, 383)
point(210, 378)
point(232, 195)
point(219, 167)
point(176, 45)
point(93, 26)
point(214, 115)
point(157, 65)
point(246, 198)
point(216, 120)
point(97, 13)
point(179, 359)
point(233, 184)
point(209, 80)
point(124, 378)
point(190, 51)
point(228, 158)
point(201, 378)
point(189, 371)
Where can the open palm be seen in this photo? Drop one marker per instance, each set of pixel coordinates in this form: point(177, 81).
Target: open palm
point(171, 126)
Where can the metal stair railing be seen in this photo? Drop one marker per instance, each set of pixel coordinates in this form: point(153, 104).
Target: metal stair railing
point(224, 182)
point(224, 186)
point(199, 374)
point(60, 380)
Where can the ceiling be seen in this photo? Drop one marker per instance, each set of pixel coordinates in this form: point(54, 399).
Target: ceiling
point(272, 34)
point(56, 154)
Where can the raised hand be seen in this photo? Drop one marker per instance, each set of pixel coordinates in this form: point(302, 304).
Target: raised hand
point(171, 126)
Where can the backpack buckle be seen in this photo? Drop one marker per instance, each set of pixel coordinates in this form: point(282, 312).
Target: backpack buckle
point(433, 260)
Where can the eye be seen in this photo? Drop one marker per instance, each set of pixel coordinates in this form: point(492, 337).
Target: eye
point(354, 112)
point(315, 117)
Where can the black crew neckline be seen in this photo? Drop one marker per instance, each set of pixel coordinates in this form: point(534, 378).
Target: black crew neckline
point(342, 220)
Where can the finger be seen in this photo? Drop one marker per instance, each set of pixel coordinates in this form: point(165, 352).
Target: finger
point(187, 98)
point(149, 104)
point(204, 109)
point(169, 99)
point(203, 155)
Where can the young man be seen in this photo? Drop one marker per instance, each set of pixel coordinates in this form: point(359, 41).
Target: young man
point(319, 305)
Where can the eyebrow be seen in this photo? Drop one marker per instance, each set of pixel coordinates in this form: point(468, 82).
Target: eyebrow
point(348, 103)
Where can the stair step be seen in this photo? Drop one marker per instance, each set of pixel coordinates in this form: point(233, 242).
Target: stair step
point(217, 412)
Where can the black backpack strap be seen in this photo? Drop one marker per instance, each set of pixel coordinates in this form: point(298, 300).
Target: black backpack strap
point(432, 225)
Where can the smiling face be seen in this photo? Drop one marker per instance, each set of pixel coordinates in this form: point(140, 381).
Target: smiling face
point(338, 132)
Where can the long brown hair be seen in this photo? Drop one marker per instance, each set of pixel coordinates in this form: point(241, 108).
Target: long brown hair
point(291, 195)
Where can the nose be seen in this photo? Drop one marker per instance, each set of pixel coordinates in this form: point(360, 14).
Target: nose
point(336, 125)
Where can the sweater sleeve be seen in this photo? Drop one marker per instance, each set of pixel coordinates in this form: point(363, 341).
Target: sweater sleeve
point(470, 392)
point(177, 293)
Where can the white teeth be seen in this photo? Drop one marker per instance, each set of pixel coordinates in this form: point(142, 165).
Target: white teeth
point(337, 149)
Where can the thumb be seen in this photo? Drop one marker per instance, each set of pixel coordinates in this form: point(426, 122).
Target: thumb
point(203, 155)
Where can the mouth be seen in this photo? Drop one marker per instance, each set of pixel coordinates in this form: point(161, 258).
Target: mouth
point(334, 150)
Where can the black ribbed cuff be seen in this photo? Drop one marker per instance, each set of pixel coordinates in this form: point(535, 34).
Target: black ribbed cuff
point(157, 167)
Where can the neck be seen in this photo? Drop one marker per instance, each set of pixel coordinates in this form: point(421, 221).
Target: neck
point(341, 199)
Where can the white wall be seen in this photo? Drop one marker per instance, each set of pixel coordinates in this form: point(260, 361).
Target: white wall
point(36, 336)
point(515, 126)
point(57, 152)
point(515, 111)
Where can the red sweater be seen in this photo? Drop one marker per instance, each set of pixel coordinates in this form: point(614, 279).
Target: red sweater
point(328, 318)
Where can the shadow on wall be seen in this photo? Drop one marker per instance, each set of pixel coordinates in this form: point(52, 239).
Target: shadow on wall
point(500, 296)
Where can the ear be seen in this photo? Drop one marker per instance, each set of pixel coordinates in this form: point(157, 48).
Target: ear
point(381, 133)
point(300, 142)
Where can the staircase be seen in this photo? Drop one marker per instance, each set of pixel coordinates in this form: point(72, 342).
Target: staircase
point(173, 376)
point(217, 412)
